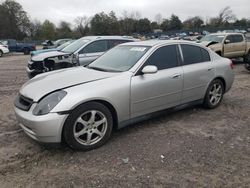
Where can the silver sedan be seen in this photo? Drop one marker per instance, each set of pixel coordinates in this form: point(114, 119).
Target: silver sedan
point(82, 105)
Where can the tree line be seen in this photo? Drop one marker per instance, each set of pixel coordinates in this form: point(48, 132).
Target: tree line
point(16, 23)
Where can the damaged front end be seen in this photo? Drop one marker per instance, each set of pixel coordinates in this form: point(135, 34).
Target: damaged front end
point(36, 67)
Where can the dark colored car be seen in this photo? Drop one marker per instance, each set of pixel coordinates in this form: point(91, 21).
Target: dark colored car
point(15, 46)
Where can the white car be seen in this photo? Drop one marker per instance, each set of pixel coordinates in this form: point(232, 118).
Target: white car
point(3, 49)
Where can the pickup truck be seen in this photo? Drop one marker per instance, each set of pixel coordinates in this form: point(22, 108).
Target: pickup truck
point(230, 45)
point(14, 46)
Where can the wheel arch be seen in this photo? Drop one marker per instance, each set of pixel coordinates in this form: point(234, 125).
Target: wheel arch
point(222, 80)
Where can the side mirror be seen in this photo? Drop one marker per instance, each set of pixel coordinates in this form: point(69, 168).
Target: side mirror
point(227, 41)
point(149, 69)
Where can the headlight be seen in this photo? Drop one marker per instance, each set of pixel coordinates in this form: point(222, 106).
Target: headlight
point(48, 103)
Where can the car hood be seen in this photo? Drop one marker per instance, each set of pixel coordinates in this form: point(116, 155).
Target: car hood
point(207, 43)
point(42, 56)
point(46, 83)
point(42, 51)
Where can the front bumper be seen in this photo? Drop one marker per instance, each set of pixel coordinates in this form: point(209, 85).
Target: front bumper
point(46, 128)
point(5, 50)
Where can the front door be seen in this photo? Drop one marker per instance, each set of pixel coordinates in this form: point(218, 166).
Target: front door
point(154, 92)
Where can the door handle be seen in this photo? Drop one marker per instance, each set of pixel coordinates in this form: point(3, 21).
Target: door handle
point(210, 69)
point(175, 76)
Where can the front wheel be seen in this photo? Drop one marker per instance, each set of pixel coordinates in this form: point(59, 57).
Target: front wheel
point(88, 126)
point(214, 94)
point(1, 53)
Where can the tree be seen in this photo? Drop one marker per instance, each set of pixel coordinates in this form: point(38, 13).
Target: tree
point(193, 22)
point(64, 30)
point(103, 24)
point(165, 25)
point(225, 16)
point(175, 23)
point(82, 25)
point(48, 30)
point(154, 25)
point(14, 21)
point(158, 18)
point(143, 26)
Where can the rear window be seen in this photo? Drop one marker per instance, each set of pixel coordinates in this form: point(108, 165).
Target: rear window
point(194, 54)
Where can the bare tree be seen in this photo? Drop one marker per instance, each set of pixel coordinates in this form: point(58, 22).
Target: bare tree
point(158, 18)
point(82, 24)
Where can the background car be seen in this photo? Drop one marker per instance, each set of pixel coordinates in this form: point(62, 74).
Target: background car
point(3, 49)
point(59, 48)
point(83, 105)
point(81, 52)
point(48, 44)
point(15, 46)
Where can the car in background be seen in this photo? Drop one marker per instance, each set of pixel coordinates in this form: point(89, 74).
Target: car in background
point(3, 49)
point(230, 45)
point(48, 44)
point(59, 48)
point(15, 46)
point(81, 52)
point(83, 105)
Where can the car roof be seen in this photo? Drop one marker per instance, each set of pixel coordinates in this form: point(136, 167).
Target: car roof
point(152, 43)
point(108, 37)
point(226, 34)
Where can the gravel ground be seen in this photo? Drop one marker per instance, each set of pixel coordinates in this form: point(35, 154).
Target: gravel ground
point(193, 147)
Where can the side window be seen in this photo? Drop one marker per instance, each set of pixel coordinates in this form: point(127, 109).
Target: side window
point(191, 54)
point(113, 43)
point(205, 55)
point(238, 38)
point(164, 58)
point(95, 47)
point(230, 38)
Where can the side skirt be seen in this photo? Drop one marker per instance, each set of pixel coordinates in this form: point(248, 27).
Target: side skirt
point(158, 113)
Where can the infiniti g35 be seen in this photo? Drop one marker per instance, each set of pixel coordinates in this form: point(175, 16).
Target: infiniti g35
point(82, 105)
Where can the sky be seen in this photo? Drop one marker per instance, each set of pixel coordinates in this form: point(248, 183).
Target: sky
point(68, 10)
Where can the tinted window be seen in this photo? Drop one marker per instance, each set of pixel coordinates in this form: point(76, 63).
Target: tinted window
point(164, 57)
point(191, 54)
point(94, 47)
point(238, 38)
point(205, 55)
point(113, 43)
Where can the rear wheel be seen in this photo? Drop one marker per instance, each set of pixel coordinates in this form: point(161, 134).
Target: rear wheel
point(247, 61)
point(88, 126)
point(214, 94)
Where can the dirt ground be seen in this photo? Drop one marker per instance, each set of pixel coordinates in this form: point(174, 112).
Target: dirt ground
point(193, 147)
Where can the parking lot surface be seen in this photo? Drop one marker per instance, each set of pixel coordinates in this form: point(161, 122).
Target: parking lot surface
point(193, 147)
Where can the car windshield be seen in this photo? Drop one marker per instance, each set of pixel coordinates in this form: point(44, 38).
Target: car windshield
point(119, 59)
point(213, 38)
point(64, 45)
point(75, 45)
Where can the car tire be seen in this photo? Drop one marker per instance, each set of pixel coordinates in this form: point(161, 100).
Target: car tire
point(26, 51)
point(214, 94)
point(1, 53)
point(88, 126)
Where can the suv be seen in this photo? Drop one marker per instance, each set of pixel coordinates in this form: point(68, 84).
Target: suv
point(230, 45)
point(81, 52)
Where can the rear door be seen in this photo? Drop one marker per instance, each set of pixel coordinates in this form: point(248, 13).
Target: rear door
point(198, 72)
point(153, 92)
point(92, 51)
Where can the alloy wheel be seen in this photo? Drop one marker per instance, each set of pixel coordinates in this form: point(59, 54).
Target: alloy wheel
point(90, 127)
point(215, 94)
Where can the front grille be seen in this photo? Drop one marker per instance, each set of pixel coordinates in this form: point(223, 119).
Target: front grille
point(37, 65)
point(23, 103)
